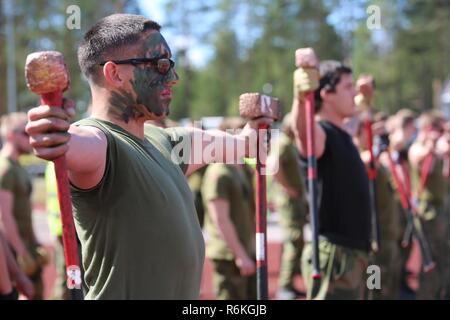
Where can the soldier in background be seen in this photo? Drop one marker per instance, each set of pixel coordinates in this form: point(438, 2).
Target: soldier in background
point(15, 200)
point(228, 199)
point(292, 205)
point(429, 186)
point(401, 134)
point(387, 208)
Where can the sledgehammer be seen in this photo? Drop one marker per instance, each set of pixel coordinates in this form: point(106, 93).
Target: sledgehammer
point(305, 58)
point(46, 74)
point(254, 106)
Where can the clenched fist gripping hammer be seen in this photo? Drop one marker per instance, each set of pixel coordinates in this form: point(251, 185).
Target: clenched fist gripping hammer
point(47, 75)
point(254, 106)
point(306, 61)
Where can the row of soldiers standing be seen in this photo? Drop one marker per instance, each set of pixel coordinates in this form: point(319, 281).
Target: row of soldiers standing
point(403, 143)
point(416, 151)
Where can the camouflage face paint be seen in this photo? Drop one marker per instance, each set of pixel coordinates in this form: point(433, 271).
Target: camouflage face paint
point(123, 106)
point(147, 83)
point(148, 86)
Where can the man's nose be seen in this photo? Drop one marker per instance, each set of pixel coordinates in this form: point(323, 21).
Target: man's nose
point(172, 77)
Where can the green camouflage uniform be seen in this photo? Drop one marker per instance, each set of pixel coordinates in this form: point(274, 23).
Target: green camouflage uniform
point(389, 230)
point(15, 179)
point(434, 222)
point(404, 252)
point(293, 212)
point(234, 184)
point(343, 272)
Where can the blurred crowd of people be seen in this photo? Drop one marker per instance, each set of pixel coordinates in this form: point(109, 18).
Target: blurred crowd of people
point(412, 164)
point(224, 198)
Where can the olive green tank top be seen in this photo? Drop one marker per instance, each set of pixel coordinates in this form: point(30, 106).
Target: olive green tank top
point(138, 227)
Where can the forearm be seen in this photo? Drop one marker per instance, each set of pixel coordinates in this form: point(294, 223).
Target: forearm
point(299, 124)
point(280, 178)
point(11, 230)
point(234, 149)
point(218, 210)
point(5, 280)
point(229, 234)
point(11, 264)
point(215, 146)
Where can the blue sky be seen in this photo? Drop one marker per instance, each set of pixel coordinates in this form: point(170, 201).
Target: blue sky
point(199, 52)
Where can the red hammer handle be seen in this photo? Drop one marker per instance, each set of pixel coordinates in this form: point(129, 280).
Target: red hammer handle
point(261, 221)
point(372, 174)
point(68, 227)
point(312, 180)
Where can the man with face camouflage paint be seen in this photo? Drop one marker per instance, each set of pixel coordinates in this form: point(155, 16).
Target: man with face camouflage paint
point(133, 210)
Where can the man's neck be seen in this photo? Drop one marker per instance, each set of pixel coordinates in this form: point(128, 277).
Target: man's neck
point(9, 151)
point(101, 110)
point(325, 115)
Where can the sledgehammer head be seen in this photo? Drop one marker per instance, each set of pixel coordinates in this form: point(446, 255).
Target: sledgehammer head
point(306, 77)
point(46, 72)
point(255, 105)
point(306, 58)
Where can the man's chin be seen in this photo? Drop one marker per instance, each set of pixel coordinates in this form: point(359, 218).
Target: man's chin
point(352, 112)
point(24, 152)
point(165, 111)
point(167, 107)
point(160, 116)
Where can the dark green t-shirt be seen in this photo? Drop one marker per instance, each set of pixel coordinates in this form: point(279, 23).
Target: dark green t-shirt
point(290, 163)
point(15, 179)
point(138, 227)
point(231, 183)
point(293, 210)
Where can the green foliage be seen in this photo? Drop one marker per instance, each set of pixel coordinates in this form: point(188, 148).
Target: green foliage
point(253, 44)
point(41, 25)
point(413, 54)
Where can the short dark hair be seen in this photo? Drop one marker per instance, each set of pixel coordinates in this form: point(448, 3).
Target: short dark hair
point(108, 37)
point(331, 72)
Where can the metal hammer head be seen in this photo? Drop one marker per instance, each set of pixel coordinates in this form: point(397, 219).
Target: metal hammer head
point(46, 72)
point(255, 105)
point(306, 58)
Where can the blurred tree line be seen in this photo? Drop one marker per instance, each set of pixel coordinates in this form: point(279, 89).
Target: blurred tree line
point(252, 45)
point(41, 25)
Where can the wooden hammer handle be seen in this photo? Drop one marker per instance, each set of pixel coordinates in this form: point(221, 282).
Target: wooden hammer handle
point(68, 227)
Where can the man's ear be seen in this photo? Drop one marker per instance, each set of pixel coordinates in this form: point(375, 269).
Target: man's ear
point(112, 75)
point(324, 94)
